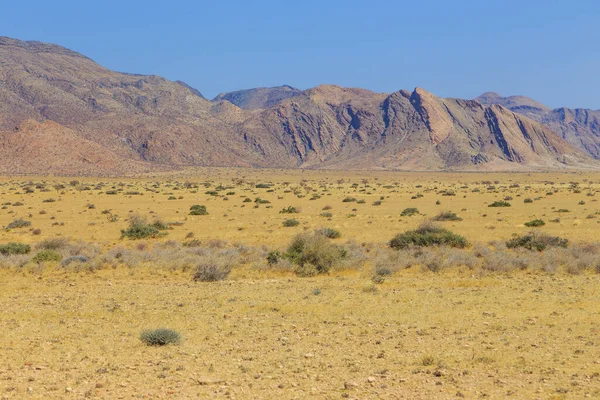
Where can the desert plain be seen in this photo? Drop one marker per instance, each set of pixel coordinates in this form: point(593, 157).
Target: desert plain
point(483, 320)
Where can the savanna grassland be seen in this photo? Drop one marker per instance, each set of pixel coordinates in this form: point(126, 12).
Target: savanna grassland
point(301, 284)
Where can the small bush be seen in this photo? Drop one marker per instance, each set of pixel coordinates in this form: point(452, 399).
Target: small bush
point(273, 257)
point(409, 212)
point(52, 244)
point(313, 253)
point(528, 200)
point(428, 234)
point(160, 337)
point(447, 216)
point(47, 256)
point(536, 241)
point(290, 223)
point(500, 203)
point(198, 210)
point(18, 223)
point(13, 248)
point(330, 233)
point(72, 259)
point(535, 223)
point(326, 215)
point(139, 229)
point(211, 270)
point(289, 210)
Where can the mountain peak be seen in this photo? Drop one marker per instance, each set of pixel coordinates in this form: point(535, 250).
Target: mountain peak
point(38, 47)
point(259, 98)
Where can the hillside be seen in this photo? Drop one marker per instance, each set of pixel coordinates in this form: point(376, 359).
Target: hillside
point(579, 127)
point(126, 123)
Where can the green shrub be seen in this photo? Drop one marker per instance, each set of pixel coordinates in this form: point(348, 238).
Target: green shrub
point(13, 248)
point(535, 223)
point(447, 216)
point(330, 233)
point(537, 241)
point(18, 223)
point(528, 200)
point(263, 186)
point(139, 229)
point(198, 210)
point(313, 253)
point(273, 257)
point(47, 256)
point(349, 200)
point(289, 210)
point(290, 223)
point(409, 212)
point(500, 203)
point(428, 234)
point(326, 215)
point(160, 337)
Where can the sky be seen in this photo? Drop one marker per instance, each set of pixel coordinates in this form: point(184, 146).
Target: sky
point(548, 50)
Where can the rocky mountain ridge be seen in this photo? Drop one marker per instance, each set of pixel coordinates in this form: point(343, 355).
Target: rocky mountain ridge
point(60, 112)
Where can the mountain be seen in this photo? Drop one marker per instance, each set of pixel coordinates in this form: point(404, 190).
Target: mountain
point(60, 112)
point(259, 98)
point(579, 127)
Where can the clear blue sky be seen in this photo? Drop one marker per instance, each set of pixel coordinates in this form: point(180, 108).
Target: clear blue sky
point(548, 50)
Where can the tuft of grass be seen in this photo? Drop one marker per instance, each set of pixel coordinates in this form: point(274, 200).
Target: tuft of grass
point(409, 212)
point(330, 233)
point(198, 210)
point(212, 269)
point(291, 222)
point(428, 234)
point(447, 216)
point(500, 203)
point(18, 223)
point(289, 210)
point(535, 223)
point(160, 337)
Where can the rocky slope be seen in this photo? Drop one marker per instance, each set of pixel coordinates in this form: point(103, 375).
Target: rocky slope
point(579, 127)
point(259, 98)
point(61, 112)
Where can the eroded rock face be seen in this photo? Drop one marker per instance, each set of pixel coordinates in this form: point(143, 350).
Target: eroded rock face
point(109, 121)
point(578, 127)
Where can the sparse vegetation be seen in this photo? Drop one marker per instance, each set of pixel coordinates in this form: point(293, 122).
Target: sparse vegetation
point(409, 212)
point(198, 210)
point(160, 337)
point(536, 241)
point(428, 234)
point(500, 203)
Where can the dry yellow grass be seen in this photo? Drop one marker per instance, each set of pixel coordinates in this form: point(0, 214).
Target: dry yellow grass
point(420, 336)
point(268, 334)
point(234, 220)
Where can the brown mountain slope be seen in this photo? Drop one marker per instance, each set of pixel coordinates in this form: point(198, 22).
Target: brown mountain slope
point(48, 147)
point(579, 127)
point(337, 127)
point(126, 121)
point(259, 98)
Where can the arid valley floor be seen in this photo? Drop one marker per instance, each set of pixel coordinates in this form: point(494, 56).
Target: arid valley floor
point(485, 320)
